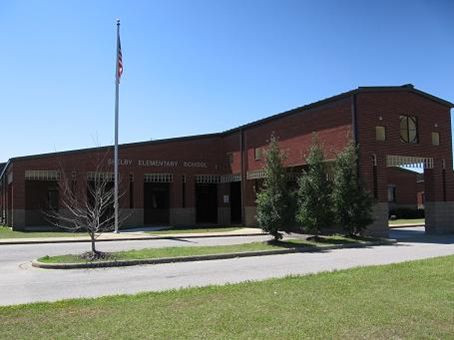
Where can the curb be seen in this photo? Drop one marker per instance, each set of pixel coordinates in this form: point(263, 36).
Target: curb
point(142, 238)
point(123, 263)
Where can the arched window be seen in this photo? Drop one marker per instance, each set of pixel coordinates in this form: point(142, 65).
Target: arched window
point(409, 129)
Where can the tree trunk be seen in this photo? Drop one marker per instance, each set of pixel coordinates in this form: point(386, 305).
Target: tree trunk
point(93, 243)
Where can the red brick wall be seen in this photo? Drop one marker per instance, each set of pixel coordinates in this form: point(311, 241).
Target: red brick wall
point(332, 121)
point(204, 149)
point(390, 105)
point(231, 144)
point(406, 185)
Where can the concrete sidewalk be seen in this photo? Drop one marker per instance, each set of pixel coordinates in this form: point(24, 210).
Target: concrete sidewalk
point(402, 225)
point(131, 236)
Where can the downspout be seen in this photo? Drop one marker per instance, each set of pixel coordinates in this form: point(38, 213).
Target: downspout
point(355, 131)
point(354, 119)
point(4, 191)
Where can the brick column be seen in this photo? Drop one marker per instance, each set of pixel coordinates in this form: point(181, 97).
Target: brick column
point(133, 215)
point(374, 177)
point(182, 212)
point(18, 200)
point(250, 208)
point(439, 200)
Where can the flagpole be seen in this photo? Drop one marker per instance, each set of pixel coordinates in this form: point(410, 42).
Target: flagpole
point(117, 88)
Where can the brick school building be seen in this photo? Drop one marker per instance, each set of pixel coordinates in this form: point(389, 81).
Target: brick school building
point(212, 178)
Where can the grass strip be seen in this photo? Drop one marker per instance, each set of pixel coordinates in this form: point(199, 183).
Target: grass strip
point(154, 253)
point(413, 300)
point(6, 232)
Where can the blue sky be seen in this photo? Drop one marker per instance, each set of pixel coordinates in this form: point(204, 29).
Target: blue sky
point(202, 66)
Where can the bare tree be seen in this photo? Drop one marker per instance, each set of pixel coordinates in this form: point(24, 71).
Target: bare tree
point(92, 211)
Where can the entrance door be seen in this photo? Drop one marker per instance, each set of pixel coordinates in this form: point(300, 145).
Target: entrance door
point(235, 202)
point(206, 203)
point(156, 203)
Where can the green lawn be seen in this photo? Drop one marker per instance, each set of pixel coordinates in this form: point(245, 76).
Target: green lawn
point(407, 300)
point(6, 232)
point(152, 253)
point(407, 221)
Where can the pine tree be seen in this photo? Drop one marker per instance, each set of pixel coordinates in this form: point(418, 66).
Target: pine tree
point(352, 203)
point(314, 193)
point(274, 206)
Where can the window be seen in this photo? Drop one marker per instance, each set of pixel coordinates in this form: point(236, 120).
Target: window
point(258, 153)
point(42, 175)
point(380, 133)
point(435, 138)
point(409, 129)
point(230, 157)
point(52, 199)
point(207, 179)
point(391, 193)
point(158, 178)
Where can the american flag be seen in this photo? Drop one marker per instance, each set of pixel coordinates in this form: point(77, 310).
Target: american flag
point(119, 61)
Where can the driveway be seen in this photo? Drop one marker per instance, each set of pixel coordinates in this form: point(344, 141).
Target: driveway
point(21, 283)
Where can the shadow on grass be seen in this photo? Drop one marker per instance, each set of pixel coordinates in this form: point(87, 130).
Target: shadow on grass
point(320, 240)
point(290, 245)
point(324, 240)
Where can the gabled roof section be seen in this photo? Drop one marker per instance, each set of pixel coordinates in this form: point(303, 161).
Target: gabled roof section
point(403, 88)
point(344, 95)
point(293, 111)
point(407, 88)
point(125, 145)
